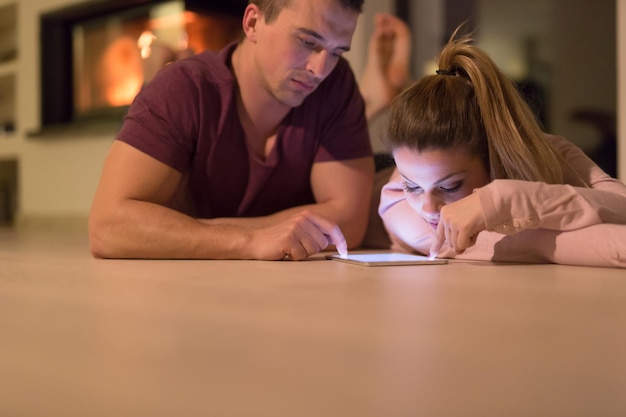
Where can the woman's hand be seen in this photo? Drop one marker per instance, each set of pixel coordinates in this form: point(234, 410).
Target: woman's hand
point(459, 224)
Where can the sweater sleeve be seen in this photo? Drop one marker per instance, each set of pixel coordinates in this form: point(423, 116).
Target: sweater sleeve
point(511, 206)
point(600, 245)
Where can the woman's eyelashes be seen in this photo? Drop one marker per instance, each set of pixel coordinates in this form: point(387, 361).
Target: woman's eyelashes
point(452, 188)
point(410, 188)
point(448, 189)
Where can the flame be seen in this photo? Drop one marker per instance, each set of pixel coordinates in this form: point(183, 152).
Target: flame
point(145, 43)
point(122, 72)
point(127, 63)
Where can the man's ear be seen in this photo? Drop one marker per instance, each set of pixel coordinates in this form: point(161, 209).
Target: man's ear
point(251, 16)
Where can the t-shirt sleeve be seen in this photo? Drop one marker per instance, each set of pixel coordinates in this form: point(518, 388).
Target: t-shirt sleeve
point(344, 133)
point(161, 122)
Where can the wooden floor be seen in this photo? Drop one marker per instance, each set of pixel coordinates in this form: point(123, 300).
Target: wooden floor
point(87, 337)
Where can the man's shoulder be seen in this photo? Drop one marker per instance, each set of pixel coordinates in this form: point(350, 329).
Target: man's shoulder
point(205, 67)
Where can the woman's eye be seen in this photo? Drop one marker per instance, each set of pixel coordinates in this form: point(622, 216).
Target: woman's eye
point(452, 189)
point(411, 188)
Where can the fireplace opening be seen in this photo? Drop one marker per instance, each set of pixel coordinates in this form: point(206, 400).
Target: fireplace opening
point(95, 57)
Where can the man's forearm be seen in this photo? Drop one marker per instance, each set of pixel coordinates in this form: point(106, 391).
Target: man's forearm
point(140, 229)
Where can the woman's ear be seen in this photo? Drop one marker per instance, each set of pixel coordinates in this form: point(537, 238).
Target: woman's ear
point(251, 16)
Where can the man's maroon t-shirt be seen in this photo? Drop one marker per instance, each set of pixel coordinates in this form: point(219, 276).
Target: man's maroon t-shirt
point(187, 119)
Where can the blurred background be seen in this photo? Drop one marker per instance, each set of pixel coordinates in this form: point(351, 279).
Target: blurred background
point(69, 69)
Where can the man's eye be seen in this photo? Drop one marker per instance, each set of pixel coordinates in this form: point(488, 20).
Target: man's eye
point(307, 43)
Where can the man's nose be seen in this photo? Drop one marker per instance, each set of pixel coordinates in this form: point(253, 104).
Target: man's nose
point(319, 64)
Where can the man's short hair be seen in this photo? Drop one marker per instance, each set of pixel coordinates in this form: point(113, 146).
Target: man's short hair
point(271, 8)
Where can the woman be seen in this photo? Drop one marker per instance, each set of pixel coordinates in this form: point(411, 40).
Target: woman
point(477, 178)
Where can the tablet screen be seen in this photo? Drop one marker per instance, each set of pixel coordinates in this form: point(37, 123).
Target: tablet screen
point(387, 258)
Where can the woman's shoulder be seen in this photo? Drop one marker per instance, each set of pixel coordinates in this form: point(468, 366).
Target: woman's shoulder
point(559, 142)
point(570, 152)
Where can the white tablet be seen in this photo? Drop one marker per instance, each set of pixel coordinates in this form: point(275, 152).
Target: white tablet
point(386, 259)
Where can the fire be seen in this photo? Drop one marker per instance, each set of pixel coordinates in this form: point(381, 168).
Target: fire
point(130, 61)
point(122, 72)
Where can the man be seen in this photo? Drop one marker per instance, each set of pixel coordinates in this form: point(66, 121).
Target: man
point(260, 152)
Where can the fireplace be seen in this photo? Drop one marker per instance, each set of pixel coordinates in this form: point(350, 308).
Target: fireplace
point(96, 56)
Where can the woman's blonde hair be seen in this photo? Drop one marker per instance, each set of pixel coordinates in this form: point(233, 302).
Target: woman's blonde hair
point(472, 106)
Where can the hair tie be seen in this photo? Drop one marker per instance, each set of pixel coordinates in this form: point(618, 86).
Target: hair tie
point(446, 72)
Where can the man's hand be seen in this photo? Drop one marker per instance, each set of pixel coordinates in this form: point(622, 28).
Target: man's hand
point(459, 224)
point(300, 236)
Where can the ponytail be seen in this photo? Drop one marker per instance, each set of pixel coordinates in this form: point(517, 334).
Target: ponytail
point(471, 105)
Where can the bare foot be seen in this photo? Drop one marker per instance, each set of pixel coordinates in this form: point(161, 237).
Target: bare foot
point(387, 68)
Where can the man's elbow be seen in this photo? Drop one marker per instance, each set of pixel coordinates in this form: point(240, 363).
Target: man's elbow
point(100, 238)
